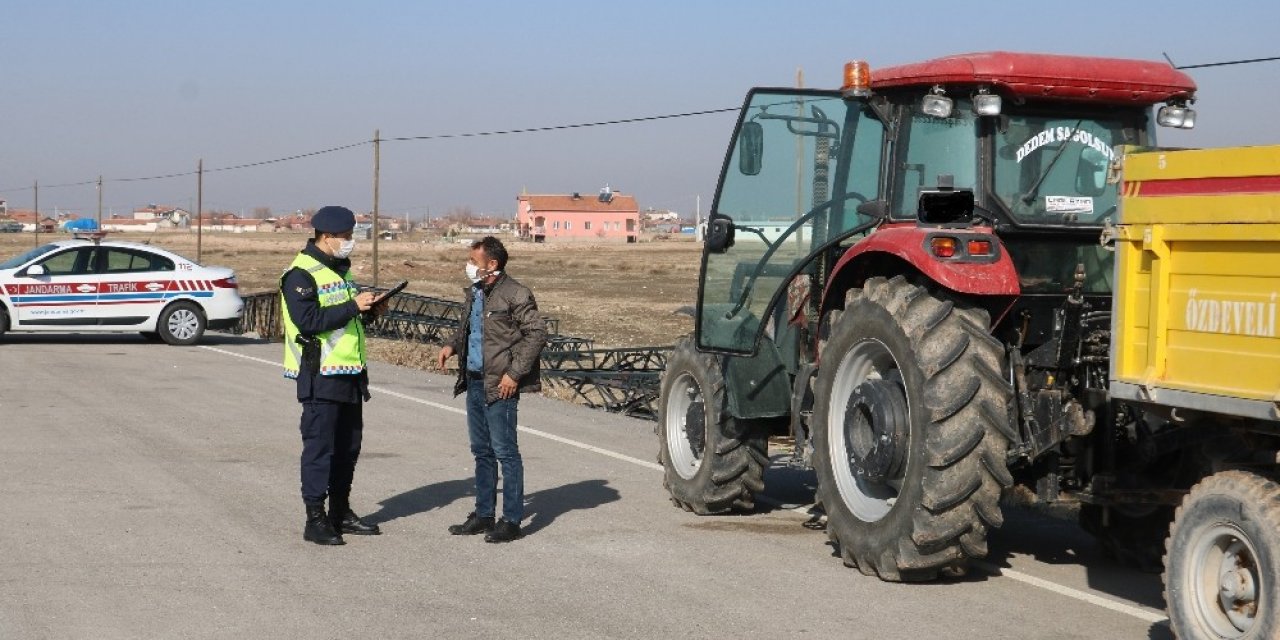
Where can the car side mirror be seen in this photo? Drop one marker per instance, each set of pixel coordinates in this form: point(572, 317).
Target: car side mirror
point(34, 270)
point(750, 148)
point(719, 235)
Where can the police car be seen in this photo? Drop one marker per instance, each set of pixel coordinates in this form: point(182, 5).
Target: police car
point(96, 285)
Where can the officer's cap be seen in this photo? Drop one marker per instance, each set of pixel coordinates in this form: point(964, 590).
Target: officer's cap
point(333, 219)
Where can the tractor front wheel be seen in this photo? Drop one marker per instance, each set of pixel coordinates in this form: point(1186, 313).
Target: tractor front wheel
point(713, 462)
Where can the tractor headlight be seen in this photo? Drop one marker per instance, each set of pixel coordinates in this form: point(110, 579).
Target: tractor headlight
point(937, 104)
point(1176, 115)
point(986, 104)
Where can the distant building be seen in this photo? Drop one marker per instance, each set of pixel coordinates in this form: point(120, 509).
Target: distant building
point(608, 217)
point(27, 219)
point(177, 215)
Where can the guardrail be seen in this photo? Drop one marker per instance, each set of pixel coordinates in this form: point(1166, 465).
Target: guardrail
point(622, 381)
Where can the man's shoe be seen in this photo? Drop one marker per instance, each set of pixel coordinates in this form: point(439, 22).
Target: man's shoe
point(474, 524)
point(351, 523)
point(319, 529)
point(504, 531)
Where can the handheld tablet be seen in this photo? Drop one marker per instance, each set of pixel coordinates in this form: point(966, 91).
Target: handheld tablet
point(391, 292)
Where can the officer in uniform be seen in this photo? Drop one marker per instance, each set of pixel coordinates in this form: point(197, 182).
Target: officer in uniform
point(325, 353)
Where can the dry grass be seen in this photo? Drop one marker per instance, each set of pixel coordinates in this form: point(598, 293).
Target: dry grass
point(619, 295)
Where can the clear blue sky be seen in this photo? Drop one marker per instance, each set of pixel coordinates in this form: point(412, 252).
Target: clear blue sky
point(142, 88)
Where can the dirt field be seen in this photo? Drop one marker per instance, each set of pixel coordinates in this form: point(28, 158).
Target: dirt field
point(619, 295)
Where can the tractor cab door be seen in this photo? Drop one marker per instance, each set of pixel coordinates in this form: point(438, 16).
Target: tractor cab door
point(801, 163)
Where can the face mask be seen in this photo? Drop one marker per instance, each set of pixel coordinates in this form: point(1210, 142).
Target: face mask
point(345, 248)
point(473, 273)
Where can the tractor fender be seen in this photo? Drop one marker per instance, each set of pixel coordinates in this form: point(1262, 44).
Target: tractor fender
point(906, 243)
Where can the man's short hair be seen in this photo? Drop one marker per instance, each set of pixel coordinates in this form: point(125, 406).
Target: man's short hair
point(493, 250)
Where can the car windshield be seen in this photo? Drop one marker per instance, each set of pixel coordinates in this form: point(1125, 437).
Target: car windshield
point(17, 261)
point(1053, 170)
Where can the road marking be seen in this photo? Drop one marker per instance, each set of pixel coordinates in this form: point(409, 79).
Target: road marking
point(1147, 615)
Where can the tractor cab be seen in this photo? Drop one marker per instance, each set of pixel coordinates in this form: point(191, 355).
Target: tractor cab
point(1026, 142)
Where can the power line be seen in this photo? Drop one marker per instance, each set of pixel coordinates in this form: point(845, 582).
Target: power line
point(1217, 64)
point(581, 125)
point(473, 134)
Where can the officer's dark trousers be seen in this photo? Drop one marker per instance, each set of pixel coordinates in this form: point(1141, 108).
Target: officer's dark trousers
point(330, 445)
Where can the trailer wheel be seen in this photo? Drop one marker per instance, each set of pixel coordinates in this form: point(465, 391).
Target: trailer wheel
point(1222, 559)
point(713, 462)
point(910, 428)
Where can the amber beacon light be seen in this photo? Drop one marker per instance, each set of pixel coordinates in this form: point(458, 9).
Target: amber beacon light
point(857, 79)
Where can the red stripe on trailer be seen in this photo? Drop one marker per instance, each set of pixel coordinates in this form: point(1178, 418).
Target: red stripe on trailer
point(1205, 186)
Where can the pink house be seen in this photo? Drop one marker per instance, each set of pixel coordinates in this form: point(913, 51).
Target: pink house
point(608, 217)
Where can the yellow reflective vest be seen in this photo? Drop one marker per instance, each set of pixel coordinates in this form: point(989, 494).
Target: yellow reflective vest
point(342, 351)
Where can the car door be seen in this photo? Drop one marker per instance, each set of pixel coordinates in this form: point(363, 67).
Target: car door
point(133, 286)
point(64, 296)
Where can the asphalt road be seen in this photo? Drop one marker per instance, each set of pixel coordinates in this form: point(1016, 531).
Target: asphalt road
point(149, 491)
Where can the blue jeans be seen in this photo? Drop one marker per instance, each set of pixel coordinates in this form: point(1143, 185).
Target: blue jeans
point(492, 428)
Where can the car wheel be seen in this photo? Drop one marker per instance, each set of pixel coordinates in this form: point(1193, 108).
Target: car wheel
point(4, 320)
point(181, 324)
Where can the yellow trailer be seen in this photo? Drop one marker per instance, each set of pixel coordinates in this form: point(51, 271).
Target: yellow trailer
point(1196, 335)
point(1198, 281)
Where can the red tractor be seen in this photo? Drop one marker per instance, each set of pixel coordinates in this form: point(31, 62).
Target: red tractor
point(911, 278)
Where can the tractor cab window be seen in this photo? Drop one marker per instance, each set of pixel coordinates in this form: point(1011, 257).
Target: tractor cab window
point(1053, 170)
point(934, 147)
point(801, 163)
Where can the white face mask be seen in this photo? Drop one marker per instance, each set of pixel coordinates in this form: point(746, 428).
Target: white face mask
point(345, 248)
point(473, 273)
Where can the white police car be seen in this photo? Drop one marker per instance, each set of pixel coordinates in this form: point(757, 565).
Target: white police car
point(96, 285)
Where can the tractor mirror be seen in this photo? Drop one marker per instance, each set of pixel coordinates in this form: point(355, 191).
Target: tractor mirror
point(750, 148)
point(1091, 172)
point(946, 206)
point(874, 209)
point(719, 235)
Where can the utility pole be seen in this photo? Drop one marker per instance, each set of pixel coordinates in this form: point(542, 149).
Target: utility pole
point(697, 218)
point(99, 203)
point(377, 144)
point(199, 204)
point(37, 192)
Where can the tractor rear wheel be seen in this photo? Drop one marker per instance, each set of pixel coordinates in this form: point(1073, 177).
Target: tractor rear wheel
point(713, 462)
point(910, 428)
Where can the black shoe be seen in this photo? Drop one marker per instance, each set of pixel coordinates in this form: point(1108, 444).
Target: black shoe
point(504, 531)
point(472, 526)
point(351, 523)
point(319, 529)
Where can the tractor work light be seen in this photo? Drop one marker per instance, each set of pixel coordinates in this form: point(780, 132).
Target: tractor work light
point(937, 104)
point(857, 79)
point(1177, 115)
point(986, 104)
